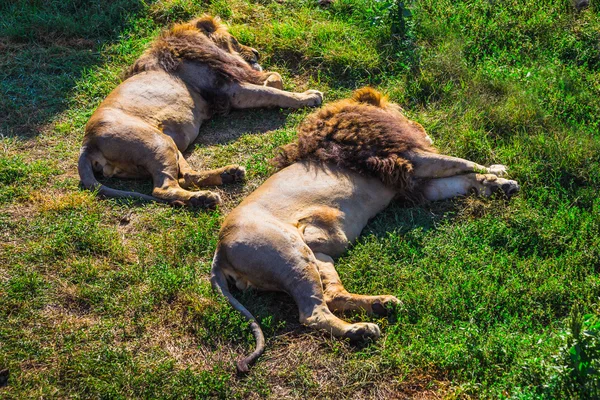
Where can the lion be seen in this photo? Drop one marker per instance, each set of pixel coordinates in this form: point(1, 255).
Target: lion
point(192, 71)
point(351, 159)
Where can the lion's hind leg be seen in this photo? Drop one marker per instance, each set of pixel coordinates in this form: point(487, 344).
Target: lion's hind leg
point(161, 160)
point(338, 298)
point(190, 179)
point(273, 256)
point(132, 148)
point(314, 310)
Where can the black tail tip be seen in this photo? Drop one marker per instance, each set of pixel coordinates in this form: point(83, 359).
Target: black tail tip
point(242, 367)
point(4, 374)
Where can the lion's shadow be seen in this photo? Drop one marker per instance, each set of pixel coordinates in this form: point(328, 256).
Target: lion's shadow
point(226, 129)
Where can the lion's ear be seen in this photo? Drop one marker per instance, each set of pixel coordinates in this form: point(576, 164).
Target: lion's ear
point(370, 96)
point(208, 25)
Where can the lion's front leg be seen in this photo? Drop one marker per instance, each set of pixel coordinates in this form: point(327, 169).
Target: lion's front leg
point(338, 298)
point(462, 185)
point(431, 165)
point(245, 95)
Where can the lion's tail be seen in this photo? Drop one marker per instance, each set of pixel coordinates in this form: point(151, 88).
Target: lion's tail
point(89, 181)
point(219, 284)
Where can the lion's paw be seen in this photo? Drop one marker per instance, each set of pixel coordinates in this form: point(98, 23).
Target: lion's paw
point(492, 184)
point(233, 173)
point(384, 304)
point(204, 199)
point(362, 331)
point(313, 98)
point(509, 187)
point(497, 169)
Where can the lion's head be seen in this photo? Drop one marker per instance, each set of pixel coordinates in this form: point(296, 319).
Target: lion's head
point(216, 31)
point(204, 40)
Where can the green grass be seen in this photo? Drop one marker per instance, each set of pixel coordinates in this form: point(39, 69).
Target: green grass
point(108, 299)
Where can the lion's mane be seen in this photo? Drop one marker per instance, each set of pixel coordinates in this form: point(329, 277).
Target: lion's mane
point(195, 41)
point(364, 134)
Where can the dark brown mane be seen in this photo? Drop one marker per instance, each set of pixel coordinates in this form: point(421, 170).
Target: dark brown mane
point(364, 134)
point(192, 41)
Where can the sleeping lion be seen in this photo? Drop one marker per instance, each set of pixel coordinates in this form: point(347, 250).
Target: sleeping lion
point(190, 72)
point(351, 159)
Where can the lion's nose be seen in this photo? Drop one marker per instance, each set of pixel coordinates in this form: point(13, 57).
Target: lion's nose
point(256, 54)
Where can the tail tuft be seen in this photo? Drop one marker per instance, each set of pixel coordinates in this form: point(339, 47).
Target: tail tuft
point(242, 366)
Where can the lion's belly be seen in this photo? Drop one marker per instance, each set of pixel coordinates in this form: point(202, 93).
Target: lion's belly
point(334, 236)
point(322, 228)
point(329, 206)
point(182, 134)
point(183, 127)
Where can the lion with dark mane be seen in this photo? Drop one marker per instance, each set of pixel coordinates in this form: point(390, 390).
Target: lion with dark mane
point(189, 73)
point(351, 159)
point(367, 140)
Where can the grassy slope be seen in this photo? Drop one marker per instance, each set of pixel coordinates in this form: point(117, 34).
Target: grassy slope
point(104, 298)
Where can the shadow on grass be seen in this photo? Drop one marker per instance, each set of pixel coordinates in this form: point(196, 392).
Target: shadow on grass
point(46, 46)
point(404, 217)
point(228, 128)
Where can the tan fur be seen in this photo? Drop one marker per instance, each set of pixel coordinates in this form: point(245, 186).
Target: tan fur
point(189, 73)
point(285, 235)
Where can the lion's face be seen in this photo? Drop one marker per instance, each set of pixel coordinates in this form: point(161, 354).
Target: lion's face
point(218, 33)
point(230, 44)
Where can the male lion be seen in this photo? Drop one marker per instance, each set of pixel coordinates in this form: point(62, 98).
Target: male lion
point(351, 159)
point(189, 73)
